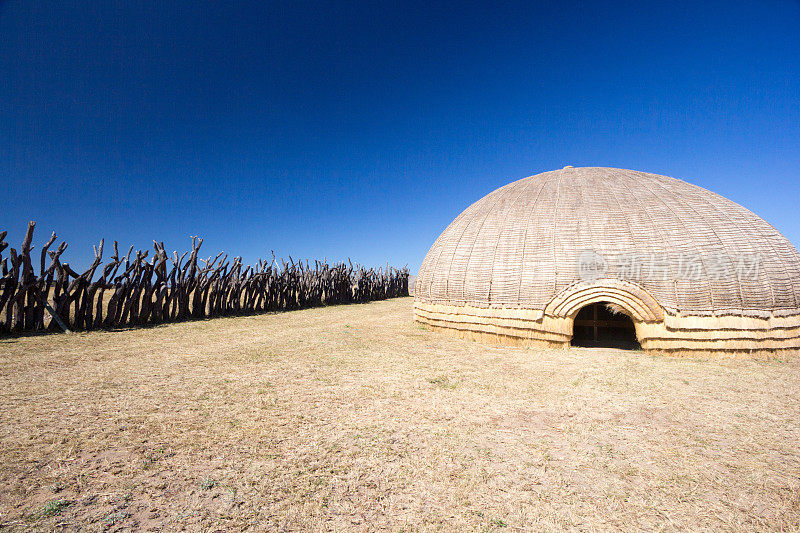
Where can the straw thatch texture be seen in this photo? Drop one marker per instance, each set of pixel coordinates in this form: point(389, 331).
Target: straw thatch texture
point(680, 259)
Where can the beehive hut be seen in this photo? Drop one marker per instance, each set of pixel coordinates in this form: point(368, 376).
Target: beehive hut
point(593, 254)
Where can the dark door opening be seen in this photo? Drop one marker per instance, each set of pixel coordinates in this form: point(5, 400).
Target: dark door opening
point(596, 326)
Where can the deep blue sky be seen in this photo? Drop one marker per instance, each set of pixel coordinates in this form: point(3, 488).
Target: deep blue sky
point(362, 129)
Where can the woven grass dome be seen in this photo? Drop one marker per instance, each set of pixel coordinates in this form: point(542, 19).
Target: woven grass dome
point(688, 270)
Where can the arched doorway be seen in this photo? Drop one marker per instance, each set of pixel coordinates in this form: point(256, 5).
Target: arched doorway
point(600, 325)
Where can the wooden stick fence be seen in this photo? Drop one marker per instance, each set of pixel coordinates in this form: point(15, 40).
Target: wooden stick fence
point(133, 290)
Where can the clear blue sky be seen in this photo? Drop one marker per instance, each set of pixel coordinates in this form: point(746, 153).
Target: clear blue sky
point(362, 129)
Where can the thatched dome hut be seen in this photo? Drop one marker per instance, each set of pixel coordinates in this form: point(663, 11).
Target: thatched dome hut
point(595, 254)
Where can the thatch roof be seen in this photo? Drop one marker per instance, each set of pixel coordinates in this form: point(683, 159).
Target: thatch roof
point(520, 246)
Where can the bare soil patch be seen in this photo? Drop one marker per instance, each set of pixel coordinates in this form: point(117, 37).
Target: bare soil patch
point(353, 417)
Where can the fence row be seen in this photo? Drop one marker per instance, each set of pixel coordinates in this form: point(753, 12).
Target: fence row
point(134, 290)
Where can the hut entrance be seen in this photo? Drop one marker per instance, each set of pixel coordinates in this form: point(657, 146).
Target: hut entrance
point(597, 326)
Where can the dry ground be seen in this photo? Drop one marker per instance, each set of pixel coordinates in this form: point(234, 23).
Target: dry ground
point(355, 418)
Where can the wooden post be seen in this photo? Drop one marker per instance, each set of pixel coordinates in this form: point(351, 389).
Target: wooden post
point(53, 314)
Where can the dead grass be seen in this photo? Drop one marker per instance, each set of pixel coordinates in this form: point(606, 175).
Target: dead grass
point(353, 417)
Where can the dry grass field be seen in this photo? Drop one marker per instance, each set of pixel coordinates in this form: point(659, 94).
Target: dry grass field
point(355, 418)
